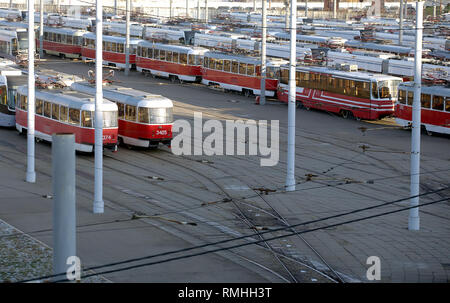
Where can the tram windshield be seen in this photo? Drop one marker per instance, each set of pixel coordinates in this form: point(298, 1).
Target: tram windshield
point(109, 119)
point(23, 40)
point(155, 115)
point(385, 89)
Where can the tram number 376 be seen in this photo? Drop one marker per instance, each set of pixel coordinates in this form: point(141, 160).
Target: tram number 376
point(107, 137)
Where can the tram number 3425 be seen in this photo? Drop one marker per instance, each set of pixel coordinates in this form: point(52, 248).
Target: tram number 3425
point(161, 132)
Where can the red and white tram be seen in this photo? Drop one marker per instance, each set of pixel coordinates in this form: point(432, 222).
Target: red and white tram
point(63, 42)
point(240, 73)
point(170, 61)
point(357, 94)
point(113, 50)
point(435, 104)
point(66, 111)
point(145, 119)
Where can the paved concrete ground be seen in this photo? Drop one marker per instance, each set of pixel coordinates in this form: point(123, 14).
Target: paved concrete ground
point(343, 178)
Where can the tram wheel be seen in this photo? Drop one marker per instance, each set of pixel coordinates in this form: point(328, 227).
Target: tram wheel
point(346, 114)
point(247, 92)
point(298, 104)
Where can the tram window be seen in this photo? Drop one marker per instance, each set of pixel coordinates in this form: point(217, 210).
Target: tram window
point(108, 46)
point(109, 119)
point(63, 113)
point(205, 62)
point(425, 100)
point(114, 47)
point(130, 114)
point(242, 68)
point(199, 60)
point(212, 63)
point(191, 59)
point(402, 96)
point(142, 51)
point(175, 56)
point(362, 89)
point(226, 65)
point(284, 76)
point(120, 107)
point(219, 64)
point(169, 56)
point(45, 35)
point(410, 98)
point(183, 58)
point(447, 104)
point(86, 118)
point(438, 102)
point(47, 109)
point(234, 67)
point(161, 115)
point(74, 116)
point(297, 78)
point(258, 70)
point(156, 54)
point(162, 55)
point(250, 69)
point(69, 39)
point(120, 48)
point(63, 39)
point(132, 50)
point(39, 104)
point(92, 44)
point(143, 115)
point(374, 90)
point(149, 52)
point(55, 111)
point(58, 38)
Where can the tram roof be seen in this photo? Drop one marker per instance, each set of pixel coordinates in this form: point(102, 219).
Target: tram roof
point(125, 95)
point(379, 47)
point(171, 47)
point(245, 59)
point(116, 39)
point(439, 90)
point(63, 30)
point(16, 81)
point(347, 74)
point(69, 98)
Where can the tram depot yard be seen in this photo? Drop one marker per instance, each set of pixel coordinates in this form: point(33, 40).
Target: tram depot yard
point(352, 158)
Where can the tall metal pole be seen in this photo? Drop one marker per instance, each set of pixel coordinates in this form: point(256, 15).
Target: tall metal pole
point(254, 5)
point(187, 8)
point(41, 29)
point(127, 39)
point(414, 220)
point(170, 9)
point(334, 9)
point(306, 8)
point(406, 10)
point(31, 174)
point(198, 10)
point(262, 97)
point(115, 7)
point(64, 217)
point(434, 9)
point(290, 177)
point(400, 32)
point(206, 11)
point(286, 17)
point(98, 177)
